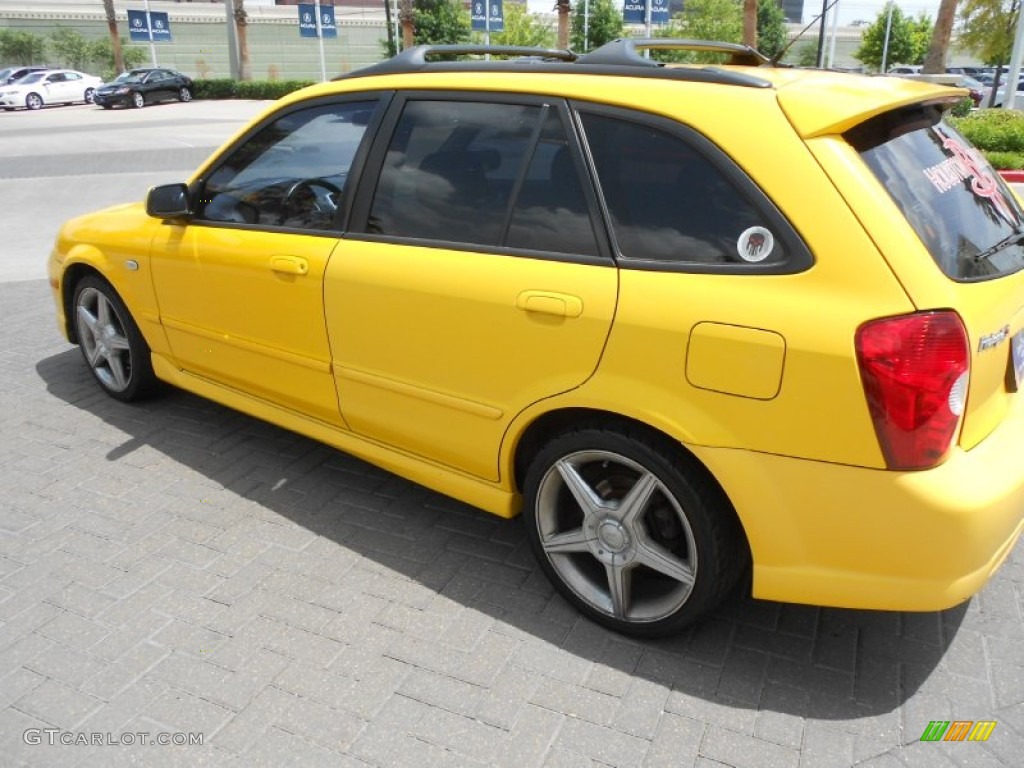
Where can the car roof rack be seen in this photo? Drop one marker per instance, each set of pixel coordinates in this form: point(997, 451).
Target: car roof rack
point(617, 58)
point(625, 50)
point(415, 58)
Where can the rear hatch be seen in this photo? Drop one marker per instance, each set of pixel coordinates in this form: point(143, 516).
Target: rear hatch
point(953, 232)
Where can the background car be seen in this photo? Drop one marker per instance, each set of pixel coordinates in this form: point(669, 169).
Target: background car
point(145, 85)
point(10, 74)
point(55, 86)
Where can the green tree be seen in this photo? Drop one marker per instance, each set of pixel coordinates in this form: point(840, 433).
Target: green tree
point(104, 63)
point(902, 49)
point(771, 27)
point(18, 47)
point(604, 24)
point(921, 32)
point(720, 20)
point(988, 27)
point(806, 55)
point(440, 22)
point(524, 28)
point(71, 48)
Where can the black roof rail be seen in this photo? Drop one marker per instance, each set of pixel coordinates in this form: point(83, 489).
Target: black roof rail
point(415, 58)
point(618, 58)
point(624, 50)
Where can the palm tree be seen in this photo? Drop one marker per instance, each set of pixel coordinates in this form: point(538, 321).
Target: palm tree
point(241, 21)
point(115, 36)
point(405, 16)
point(562, 6)
point(750, 22)
point(935, 61)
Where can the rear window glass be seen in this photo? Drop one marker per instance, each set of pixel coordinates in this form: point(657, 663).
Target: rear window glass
point(960, 208)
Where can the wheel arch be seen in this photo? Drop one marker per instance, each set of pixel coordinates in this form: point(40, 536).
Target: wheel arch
point(550, 424)
point(72, 276)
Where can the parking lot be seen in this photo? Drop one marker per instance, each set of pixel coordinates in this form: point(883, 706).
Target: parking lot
point(178, 569)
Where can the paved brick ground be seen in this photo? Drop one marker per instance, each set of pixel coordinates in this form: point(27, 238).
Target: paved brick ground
point(178, 567)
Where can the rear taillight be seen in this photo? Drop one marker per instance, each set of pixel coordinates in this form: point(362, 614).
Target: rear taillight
point(915, 371)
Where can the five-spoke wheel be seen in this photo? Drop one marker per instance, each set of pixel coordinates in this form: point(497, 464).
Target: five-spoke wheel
point(110, 341)
point(628, 533)
point(138, 100)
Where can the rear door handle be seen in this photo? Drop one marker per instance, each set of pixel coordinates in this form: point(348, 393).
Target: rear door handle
point(289, 265)
point(550, 303)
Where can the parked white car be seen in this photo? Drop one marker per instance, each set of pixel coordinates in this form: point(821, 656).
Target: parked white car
point(55, 86)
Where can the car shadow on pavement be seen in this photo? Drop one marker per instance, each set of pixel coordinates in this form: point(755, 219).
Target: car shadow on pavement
point(752, 656)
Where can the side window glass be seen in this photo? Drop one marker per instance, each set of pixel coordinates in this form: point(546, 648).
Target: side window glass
point(450, 170)
point(669, 203)
point(292, 173)
point(551, 213)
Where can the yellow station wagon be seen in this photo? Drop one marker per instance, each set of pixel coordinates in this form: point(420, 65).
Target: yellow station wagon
point(692, 321)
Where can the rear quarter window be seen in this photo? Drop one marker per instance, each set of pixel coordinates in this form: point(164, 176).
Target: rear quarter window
point(961, 209)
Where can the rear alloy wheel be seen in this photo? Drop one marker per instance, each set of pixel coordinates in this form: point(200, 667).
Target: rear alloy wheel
point(629, 533)
point(33, 101)
point(90, 95)
point(111, 343)
point(138, 100)
point(184, 94)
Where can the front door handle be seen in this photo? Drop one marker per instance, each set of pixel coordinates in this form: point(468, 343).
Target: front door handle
point(550, 303)
point(289, 265)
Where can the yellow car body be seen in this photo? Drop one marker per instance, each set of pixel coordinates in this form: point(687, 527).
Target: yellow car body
point(455, 375)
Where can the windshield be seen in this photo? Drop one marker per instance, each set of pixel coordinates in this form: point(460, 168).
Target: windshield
point(129, 77)
point(961, 209)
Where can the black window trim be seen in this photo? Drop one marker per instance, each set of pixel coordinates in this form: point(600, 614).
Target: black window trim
point(800, 257)
point(378, 152)
point(382, 98)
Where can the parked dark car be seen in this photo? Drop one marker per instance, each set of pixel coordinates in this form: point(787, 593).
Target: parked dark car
point(145, 85)
point(10, 74)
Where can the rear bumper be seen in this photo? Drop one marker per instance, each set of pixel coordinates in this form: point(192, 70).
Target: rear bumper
point(829, 534)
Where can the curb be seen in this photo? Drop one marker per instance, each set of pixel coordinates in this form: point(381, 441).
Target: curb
point(1013, 177)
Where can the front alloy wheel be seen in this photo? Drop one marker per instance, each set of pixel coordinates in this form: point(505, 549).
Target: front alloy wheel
point(111, 343)
point(635, 539)
point(33, 101)
point(138, 100)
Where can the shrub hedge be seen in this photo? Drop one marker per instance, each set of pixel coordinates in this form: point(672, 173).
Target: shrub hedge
point(998, 133)
point(226, 88)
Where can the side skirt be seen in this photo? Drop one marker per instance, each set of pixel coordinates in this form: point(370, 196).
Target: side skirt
point(465, 488)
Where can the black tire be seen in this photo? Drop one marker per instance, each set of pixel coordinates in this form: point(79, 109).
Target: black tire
point(674, 558)
point(184, 94)
point(33, 101)
point(111, 343)
point(138, 100)
point(90, 95)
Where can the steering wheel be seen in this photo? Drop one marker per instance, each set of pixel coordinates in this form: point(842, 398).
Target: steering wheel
point(288, 201)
